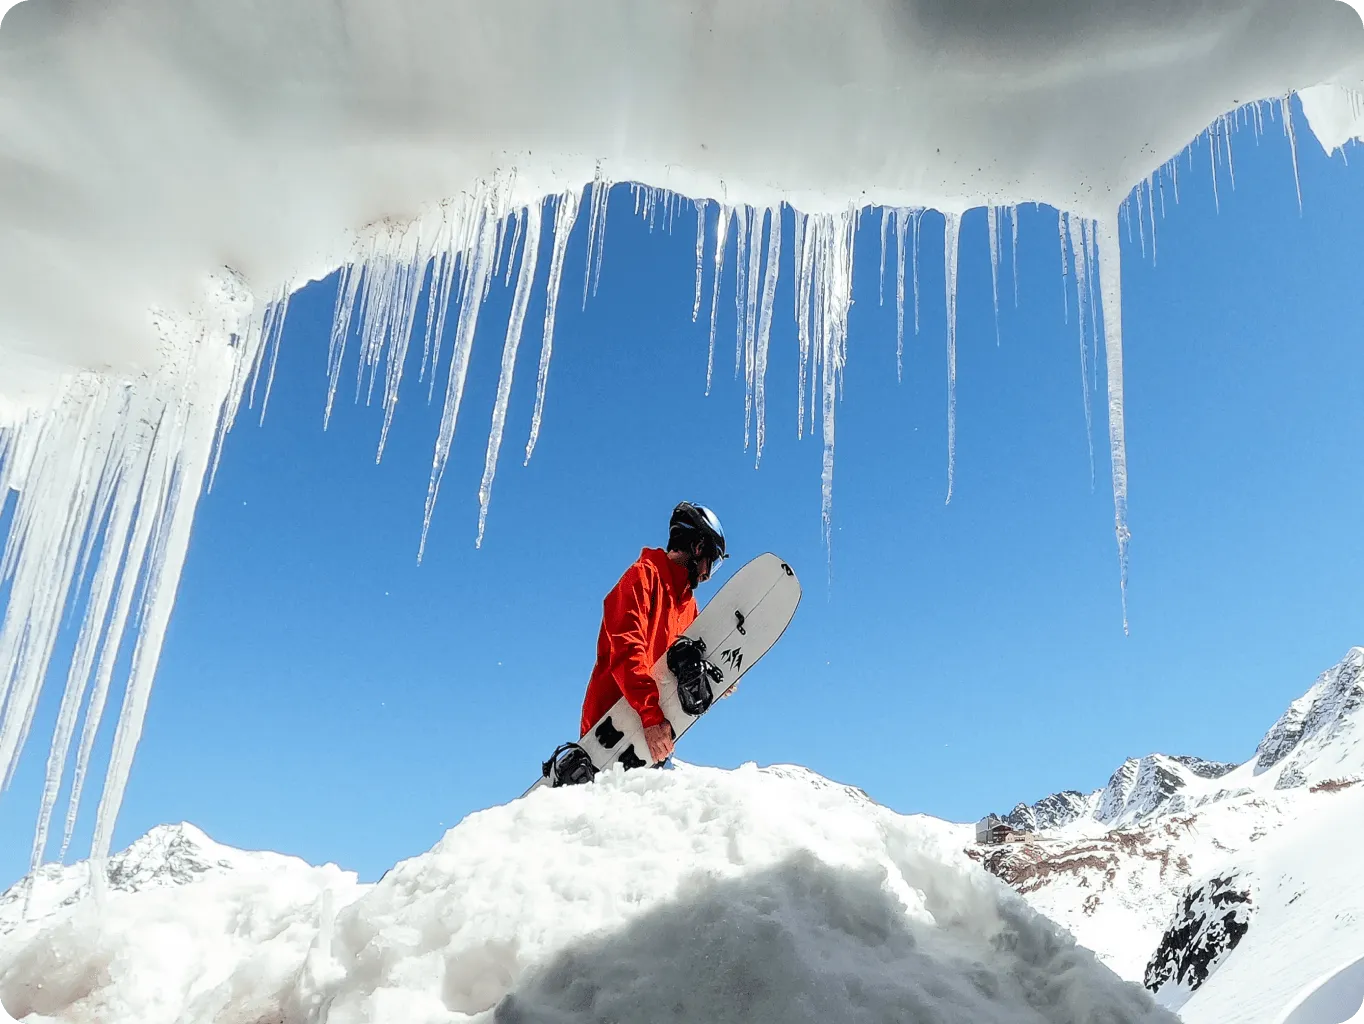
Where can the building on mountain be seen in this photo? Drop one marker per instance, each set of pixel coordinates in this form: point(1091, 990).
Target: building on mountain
point(992, 830)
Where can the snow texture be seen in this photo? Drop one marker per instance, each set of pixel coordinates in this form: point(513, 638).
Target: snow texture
point(697, 895)
point(191, 163)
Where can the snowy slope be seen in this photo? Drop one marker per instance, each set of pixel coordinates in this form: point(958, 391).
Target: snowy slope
point(694, 895)
point(1179, 868)
point(1308, 917)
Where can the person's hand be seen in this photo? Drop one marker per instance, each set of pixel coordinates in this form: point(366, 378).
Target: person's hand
point(660, 740)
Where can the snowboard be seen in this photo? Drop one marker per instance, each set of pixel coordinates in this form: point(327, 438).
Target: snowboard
point(737, 626)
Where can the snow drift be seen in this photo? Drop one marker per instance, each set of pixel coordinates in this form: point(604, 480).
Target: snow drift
point(695, 895)
point(171, 170)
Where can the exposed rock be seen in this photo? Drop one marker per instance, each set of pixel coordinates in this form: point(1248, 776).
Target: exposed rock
point(1211, 919)
point(1336, 694)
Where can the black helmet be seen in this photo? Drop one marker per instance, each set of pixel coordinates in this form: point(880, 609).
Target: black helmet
point(690, 523)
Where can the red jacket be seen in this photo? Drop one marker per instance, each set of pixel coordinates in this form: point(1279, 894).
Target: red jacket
point(641, 617)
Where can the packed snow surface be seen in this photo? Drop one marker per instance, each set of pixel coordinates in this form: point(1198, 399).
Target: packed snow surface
point(172, 170)
point(699, 895)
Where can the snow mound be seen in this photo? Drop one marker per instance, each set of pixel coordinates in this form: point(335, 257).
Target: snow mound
point(189, 930)
point(691, 895)
point(708, 896)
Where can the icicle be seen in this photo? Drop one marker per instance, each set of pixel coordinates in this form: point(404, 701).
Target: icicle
point(346, 291)
point(511, 253)
point(918, 218)
point(700, 256)
point(804, 270)
point(596, 234)
point(992, 223)
point(1151, 212)
point(750, 319)
point(742, 230)
point(398, 323)
point(765, 326)
point(470, 301)
point(829, 252)
point(1065, 266)
point(951, 246)
point(564, 218)
point(178, 497)
point(515, 324)
point(881, 280)
point(900, 217)
point(1083, 297)
point(1110, 278)
point(1092, 263)
point(1141, 220)
point(721, 233)
point(273, 335)
point(1212, 163)
point(1231, 164)
point(1013, 248)
point(1286, 106)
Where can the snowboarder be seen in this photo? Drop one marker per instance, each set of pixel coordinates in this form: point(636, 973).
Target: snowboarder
point(641, 617)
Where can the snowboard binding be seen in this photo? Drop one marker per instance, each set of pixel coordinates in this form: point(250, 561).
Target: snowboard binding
point(695, 675)
point(569, 765)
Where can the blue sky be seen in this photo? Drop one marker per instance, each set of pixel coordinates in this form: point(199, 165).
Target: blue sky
point(322, 694)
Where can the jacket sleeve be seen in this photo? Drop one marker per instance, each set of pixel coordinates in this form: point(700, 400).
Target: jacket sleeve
point(626, 614)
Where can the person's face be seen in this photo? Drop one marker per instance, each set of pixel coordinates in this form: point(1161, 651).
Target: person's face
point(704, 563)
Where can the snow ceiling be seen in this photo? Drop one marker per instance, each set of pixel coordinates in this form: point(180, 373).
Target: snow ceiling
point(171, 170)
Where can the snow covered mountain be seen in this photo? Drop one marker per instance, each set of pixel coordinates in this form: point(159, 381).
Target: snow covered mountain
point(166, 857)
point(757, 895)
point(1140, 789)
point(1181, 872)
point(695, 895)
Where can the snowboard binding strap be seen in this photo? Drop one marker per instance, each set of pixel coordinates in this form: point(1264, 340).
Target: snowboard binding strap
point(694, 674)
point(569, 765)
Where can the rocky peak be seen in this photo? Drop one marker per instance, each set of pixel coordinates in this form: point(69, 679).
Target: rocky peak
point(1205, 769)
point(1146, 787)
point(167, 856)
point(1050, 812)
point(1317, 714)
point(1139, 790)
